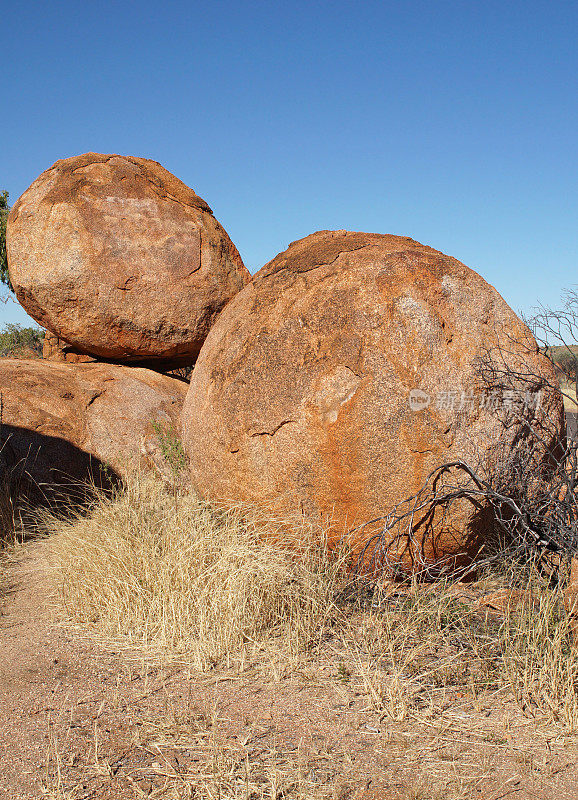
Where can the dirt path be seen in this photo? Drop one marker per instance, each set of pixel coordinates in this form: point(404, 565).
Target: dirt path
point(33, 662)
point(77, 722)
point(37, 661)
point(51, 688)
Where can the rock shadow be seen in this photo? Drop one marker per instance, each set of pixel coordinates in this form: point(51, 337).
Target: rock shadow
point(38, 471)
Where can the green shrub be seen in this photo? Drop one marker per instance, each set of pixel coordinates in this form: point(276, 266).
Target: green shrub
point(14, 338)
point(171, 448)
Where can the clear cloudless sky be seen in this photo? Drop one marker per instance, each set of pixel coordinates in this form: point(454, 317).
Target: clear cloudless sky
point(454, 122)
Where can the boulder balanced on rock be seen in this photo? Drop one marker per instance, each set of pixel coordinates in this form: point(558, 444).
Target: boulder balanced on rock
point(121, 260)
point(304, 394)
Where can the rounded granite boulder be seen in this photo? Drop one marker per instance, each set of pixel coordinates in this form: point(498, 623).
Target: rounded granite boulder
point(121, 260)
point(342, 375)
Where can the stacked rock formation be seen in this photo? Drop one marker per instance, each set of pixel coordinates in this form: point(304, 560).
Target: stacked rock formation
point(122, 263)
point(333, 383)
point(307, 391)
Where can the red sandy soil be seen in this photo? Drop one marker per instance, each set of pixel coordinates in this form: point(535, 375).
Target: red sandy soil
point(77, 721)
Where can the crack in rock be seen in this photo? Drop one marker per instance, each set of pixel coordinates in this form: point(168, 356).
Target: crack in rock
point(274, 431)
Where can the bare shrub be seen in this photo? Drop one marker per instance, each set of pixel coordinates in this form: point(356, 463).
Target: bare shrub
point(184, 373)
point(522, 486)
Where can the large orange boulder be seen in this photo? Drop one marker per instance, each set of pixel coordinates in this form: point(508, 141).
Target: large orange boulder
point(70, 422)
point(120, 259)
point(343, 375)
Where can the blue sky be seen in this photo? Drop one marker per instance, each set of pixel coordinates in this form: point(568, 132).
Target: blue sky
point(452, 122)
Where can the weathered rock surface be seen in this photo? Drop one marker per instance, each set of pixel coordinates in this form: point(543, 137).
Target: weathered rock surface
point(121, 259)
point(300, 397)
point(68, 422)
point(55, 349)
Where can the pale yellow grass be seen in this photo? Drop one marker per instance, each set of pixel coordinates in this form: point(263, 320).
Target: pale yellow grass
point(569, 394)
point(167, 573)
point(7, 516)
point(416, 647)
point(164, 571)
point(9, 521)
point(540, 656)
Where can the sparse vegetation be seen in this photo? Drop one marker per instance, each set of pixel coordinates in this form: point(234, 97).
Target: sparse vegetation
point(170, 580)
point(429, 641)
point(12, 493)
point(172, 448)
point(182, 372)
point(564, 358)
point(7, 515)
point(172, 574)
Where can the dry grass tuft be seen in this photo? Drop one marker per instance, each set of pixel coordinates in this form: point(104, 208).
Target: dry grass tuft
point(164, 572)
point(421, 644)
point(231, 772)
point(540, 658)
point(169, 573)
point(7, 520)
